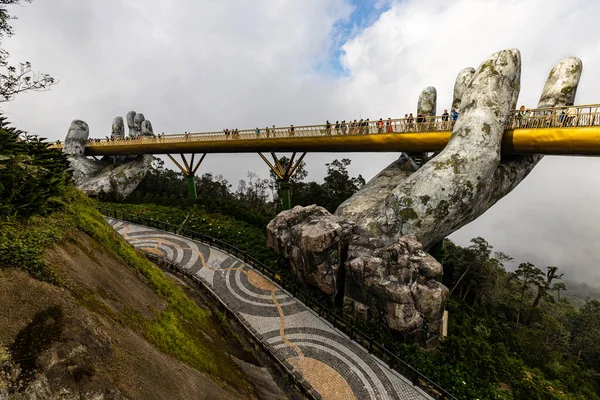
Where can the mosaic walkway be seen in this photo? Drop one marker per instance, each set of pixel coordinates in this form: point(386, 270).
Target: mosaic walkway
point(335, 366)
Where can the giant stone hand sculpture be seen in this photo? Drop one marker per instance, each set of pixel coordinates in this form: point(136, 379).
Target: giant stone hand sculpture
point(370, 253)
point(119, 175)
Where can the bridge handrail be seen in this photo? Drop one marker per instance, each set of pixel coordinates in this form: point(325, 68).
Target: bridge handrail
point(533, 118)
point(343, 324)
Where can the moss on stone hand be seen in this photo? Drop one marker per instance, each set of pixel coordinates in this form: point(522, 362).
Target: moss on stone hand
point(407, 214)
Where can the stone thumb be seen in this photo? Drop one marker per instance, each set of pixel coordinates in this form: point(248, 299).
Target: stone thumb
point(77, 136)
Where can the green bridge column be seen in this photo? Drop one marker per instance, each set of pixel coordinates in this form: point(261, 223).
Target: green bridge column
point(284, 188)
point(191, 182)
point(188, 169)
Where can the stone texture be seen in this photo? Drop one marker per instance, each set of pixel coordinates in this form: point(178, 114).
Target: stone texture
point(120, 175)
point(454, 188)
point(118, 129)
point(396, 282)
point(130, 123)
point(147, 128)
point(460, 86)
point(137, 123)
point(314, 242)
point(427, 101)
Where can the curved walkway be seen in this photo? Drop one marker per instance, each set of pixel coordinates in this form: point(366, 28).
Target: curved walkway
point(335, 366)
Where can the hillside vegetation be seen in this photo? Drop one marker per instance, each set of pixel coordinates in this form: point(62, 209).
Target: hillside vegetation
point(512, 335)
point(84, 313)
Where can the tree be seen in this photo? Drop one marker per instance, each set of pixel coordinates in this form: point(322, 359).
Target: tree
point(545, 287)
point(21, 78)
point(586, 334)
point(296, 182)
point(527, 274)
point(557, 287)
point(338, 184)
point(32, 176)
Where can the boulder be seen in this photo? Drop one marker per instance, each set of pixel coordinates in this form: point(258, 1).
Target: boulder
point(398, 283)
point(393, 283)
point(314, 243)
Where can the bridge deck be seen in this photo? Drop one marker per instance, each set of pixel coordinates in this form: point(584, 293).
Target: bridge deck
point(561, 131)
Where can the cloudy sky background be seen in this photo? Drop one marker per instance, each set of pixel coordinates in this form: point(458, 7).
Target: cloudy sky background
point(200, 65)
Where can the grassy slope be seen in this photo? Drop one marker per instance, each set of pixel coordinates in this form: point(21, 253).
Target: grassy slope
point(176, 330)
point(461, 376)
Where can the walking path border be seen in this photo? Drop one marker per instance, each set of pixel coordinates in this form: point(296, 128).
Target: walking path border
point(289, 304)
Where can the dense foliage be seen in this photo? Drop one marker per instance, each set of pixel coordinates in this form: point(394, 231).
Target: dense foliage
point(512, 335)
point(39, 209)
point(255, 201)
point(32, 176)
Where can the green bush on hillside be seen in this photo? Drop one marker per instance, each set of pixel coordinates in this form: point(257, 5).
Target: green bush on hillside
point(32, 176)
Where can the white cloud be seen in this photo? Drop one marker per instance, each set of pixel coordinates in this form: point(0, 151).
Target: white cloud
point(551, 218)
point(193, 65)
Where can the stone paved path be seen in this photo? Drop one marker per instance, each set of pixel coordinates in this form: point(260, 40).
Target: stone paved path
point(335, 366)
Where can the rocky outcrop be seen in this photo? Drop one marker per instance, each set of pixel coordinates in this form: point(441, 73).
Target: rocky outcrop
point(314, 242)
point(396, 283)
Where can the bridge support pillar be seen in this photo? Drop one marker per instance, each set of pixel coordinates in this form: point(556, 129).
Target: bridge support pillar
point(284, 190)
point(191, 182)
point(283, 173)
point(189, 171)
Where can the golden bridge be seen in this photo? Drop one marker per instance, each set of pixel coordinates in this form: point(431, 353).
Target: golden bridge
point(573, 130)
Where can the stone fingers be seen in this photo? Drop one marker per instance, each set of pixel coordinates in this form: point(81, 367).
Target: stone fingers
point(427, 103)
point(118, 128)
point(377, 189)
point(560, 89)
point(561, 86)
point(460, 85)
point(77, 136)
point(147, 128)
point(443, 194)
point(130, 123)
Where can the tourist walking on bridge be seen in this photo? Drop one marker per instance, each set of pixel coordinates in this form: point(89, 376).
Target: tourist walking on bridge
point(380, 125)
point(328, 128)
point(454, 115)
point(344, 127)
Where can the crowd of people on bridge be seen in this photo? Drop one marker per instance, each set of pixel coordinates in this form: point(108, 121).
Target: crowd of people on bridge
point(420, 123)
point(568, 115)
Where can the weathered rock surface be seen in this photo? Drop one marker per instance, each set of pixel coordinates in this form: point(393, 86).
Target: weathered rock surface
point(386, 275)
point(460, 86)
point(118, 129)
point(427, 101)
point(120, 175)
point(314, 242)
point(395, 282)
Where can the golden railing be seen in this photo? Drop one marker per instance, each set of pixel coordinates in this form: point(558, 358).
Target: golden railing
point(559, 117)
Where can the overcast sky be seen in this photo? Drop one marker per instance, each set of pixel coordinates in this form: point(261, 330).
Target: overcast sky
point(200, 65)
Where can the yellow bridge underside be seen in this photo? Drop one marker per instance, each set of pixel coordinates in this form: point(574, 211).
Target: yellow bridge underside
point(550, 141)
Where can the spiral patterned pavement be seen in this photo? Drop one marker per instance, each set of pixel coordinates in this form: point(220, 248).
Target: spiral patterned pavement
point(335, 366)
